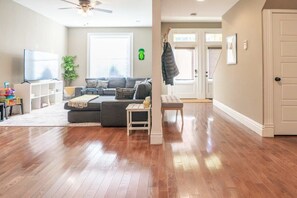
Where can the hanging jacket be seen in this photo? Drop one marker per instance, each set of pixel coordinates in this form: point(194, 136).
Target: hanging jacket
point(169, 68)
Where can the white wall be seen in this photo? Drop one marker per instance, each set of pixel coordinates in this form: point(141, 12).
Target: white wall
point(77, 45)
point(22, 28)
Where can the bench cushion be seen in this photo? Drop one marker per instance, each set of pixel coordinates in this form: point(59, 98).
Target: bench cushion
point(169, 101)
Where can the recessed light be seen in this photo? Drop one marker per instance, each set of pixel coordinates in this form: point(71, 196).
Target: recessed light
point(200, 0)
point(138, 21)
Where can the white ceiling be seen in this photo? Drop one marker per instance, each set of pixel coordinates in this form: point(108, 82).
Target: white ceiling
point(130, 13)
point(208, 10)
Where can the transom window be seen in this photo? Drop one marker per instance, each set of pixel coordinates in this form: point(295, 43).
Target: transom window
point(110, 55)
point(213, 37)
point(184, 38)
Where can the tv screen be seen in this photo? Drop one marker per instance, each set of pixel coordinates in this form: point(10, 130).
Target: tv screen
point(40, 65)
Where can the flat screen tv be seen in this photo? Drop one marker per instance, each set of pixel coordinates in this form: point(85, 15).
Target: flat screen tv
point(40, 66)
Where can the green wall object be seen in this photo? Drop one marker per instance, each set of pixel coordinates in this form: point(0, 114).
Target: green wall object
point(141, 54)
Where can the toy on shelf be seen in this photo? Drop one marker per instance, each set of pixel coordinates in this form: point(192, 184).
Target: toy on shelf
point(7, 96)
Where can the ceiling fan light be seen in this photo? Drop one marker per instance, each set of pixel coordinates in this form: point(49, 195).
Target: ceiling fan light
point(90, 13)
point(84, 14)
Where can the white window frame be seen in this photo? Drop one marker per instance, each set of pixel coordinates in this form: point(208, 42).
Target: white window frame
point(129, 34)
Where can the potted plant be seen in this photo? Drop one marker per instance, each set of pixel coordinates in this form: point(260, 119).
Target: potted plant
point(69, 67)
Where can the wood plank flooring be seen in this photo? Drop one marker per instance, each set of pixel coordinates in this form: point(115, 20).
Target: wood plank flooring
point(213, 156)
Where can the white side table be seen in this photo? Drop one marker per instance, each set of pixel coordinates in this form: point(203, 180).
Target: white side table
point(146, 124)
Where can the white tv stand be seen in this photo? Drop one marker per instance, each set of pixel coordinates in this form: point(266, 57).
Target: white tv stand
point(37, 95)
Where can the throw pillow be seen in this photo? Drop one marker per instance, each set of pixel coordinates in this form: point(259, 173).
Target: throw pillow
point(102, 84)
point(143, 90)
point(124, 93)
point(91, 83)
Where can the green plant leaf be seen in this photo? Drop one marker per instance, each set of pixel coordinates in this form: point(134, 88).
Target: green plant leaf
point(69, 66)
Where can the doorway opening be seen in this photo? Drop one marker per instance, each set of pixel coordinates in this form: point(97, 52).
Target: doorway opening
point(196, 52)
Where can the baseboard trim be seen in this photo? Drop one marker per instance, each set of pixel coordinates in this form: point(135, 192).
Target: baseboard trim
point(268, 130)
point(156, 137)
point(248, 122)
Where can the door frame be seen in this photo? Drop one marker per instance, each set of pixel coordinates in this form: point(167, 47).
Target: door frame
point(201, 46)
point(268, 100)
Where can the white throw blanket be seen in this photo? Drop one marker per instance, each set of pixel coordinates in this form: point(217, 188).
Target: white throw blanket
point(81, 101)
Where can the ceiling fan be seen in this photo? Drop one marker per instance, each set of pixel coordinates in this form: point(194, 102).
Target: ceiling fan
point(85, 6)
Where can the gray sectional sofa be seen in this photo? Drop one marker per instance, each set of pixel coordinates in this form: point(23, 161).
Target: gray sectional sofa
point(106, 86)
point(107, 109)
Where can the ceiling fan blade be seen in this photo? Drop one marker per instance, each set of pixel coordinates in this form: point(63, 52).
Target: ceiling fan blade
point(102, 10)
point(70, 2)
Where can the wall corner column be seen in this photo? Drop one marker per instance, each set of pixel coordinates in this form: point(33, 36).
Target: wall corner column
point(156, 132)
point(268, 130)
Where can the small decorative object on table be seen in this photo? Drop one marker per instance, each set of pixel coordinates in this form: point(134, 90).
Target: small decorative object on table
point(147, 102)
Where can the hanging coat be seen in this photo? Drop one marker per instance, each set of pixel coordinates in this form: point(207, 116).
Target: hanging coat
point(169, 68)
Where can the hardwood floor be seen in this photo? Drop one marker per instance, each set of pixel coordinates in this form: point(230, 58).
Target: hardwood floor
point(213, 156)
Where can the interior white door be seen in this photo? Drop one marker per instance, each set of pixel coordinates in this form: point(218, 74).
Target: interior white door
point(285, 73)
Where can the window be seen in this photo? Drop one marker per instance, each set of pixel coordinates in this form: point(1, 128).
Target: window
point(185, 61)
point(184, 38)
point(213, 37)
point(110, 55)
point(213, 55)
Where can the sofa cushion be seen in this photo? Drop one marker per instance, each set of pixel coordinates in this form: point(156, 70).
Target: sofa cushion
point(116, 82)
point(90, 91)
point(124, 93)
point(109, 92)
point(143, 90)
point(102, 84)
point(91, 83)
point(130, 82)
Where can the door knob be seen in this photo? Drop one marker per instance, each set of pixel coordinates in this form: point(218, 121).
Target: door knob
point(277, 79)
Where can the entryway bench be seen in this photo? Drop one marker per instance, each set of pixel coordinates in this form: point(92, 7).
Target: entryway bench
point(171, 102)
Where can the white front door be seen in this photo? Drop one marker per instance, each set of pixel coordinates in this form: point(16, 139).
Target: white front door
point(185, 84)
point(185, 47)
point(212, 57)
point(195, 64)
point(285, 73)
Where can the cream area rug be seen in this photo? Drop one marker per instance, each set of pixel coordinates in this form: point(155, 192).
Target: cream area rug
point(54, 115)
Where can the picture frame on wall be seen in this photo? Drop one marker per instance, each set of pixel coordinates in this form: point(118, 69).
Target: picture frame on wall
point(231, 42)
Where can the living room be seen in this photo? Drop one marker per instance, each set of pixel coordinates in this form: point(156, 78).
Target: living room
point(61, 40)
point(213, 156)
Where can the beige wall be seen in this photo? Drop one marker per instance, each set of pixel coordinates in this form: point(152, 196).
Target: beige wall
point(280, 4)
point(22, 28)
point(77, 45)
point(240, 86)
